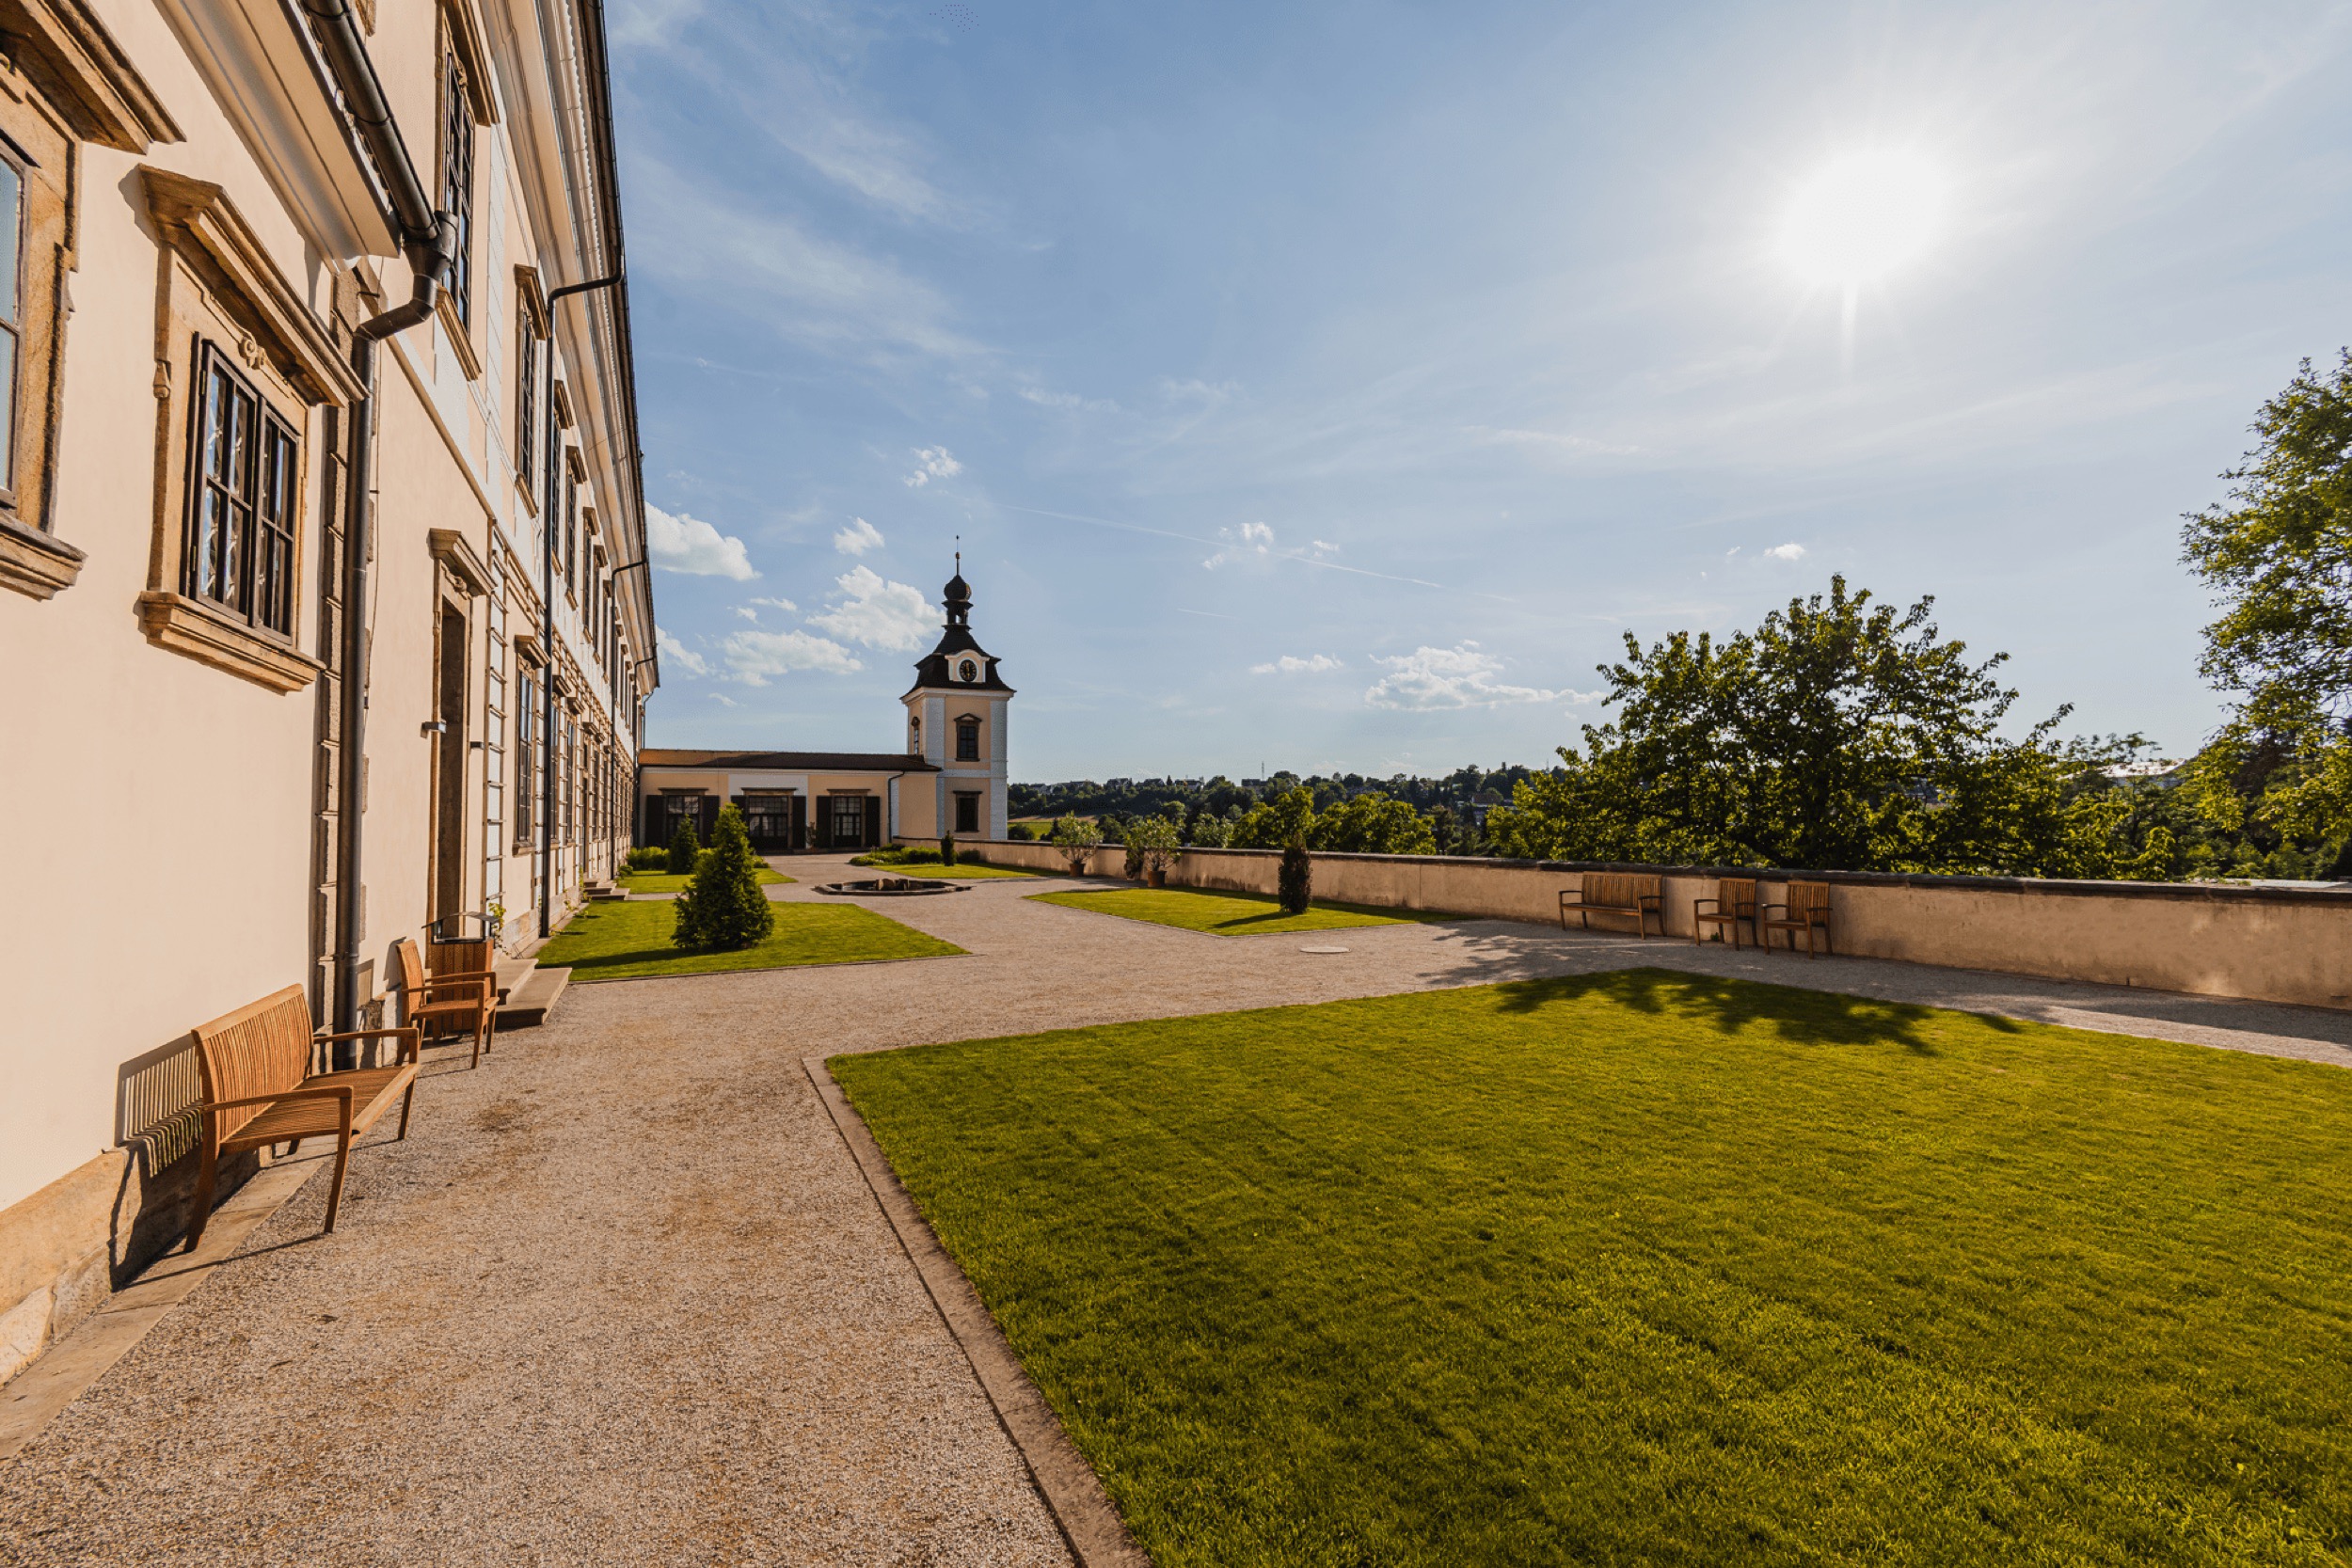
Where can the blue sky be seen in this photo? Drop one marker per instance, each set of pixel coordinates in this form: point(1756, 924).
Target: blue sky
point(1332, 386)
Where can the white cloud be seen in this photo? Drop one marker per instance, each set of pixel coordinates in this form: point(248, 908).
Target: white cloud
point(1323, 546)
point(692, 547)
point(754, 657)
point(1784, 552)
point(1558, 442)
point(1583, 699)
point(748, 613)
point(678, 652)
point(1459, 676)
point(1290, 664)
point(784, 605)
point(859, 537)
point(932, 463)
point(1250, 539)
point(878, 613)
point(723, 699)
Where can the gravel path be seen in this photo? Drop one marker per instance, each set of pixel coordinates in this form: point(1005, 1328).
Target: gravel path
point(623, 1296)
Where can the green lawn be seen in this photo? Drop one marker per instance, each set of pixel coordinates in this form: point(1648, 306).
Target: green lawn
point(1228, 914)
point(619, 941)
point(1658, 1269)
point(666, 882)
point(963, 871)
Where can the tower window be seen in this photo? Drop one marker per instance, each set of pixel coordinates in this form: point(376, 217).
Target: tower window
point(967, 812)
point(967, 739)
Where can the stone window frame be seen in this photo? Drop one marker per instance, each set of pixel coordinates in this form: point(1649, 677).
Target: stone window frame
point(217, 284)
point(968, 738)
point(63, 81)
point(530, 334)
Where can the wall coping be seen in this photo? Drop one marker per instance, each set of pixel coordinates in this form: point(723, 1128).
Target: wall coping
point(2052, 886)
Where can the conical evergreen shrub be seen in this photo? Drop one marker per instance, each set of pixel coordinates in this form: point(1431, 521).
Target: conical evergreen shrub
point(722, 908)
point(1297, 884)
point(684, 846)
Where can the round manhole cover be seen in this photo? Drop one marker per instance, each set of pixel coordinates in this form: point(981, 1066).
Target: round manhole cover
point(1323, 950)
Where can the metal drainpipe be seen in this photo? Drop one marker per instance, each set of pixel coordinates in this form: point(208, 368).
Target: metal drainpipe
point(428, 238)
point(547, 620)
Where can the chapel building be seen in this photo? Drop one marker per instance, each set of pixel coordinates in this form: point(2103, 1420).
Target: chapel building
point(950, 779)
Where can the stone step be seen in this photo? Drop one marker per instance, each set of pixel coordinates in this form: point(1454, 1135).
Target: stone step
point(532, 1000)
point(602, 893)
point(512, 972)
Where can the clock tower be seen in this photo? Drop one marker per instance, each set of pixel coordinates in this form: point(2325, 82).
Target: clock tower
point(956, 722)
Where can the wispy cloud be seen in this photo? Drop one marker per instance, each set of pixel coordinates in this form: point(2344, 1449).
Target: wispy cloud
point(678, 543)
point(755, 657)
point(721, 248)
point(1290, 664)
point(859, 537)
point(679, 654)
point(1240, 543)
point(1456, 677)
point(871, 610)
point(932, 463)
point(784, 605)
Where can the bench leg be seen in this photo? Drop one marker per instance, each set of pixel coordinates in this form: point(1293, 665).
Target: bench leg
point(477, 1039)
point(406, 1100)
point(335, 1192)
point(203, 1212)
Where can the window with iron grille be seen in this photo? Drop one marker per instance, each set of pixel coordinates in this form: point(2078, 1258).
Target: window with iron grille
point(526, 754)
point(526, 384)
point(241, 506)
point(457, 182)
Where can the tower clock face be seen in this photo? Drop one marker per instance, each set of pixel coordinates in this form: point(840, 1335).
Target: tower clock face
point(967, 670)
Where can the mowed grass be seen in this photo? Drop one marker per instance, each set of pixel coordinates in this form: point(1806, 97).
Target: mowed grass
point(1660, 1269)
point(1228, 914)
point(622, 941)
point(668, 881)
point(963, 871)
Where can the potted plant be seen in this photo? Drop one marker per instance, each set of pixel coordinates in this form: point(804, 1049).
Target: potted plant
point(1077, 839)
point(1153, 846)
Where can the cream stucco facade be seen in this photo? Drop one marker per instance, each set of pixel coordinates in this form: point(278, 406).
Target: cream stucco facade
point(204, 234)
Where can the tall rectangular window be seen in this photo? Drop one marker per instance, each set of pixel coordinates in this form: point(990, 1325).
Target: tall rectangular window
point(241, 507)
point(967, 739)
point(526, 384)
point(526, 754)
point(571, 530)
point(457, 182)
point(11, 312)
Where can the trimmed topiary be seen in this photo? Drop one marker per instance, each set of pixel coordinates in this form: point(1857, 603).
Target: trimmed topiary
point(684, 846)
point(947, 849)
point(1297, 880)
point(722, 908)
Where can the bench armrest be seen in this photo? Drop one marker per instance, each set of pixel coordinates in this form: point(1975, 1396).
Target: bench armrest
point(1646, 900)
point(1568, 893)
point(411, 1037)
point(473, 983)
point(1697, 904)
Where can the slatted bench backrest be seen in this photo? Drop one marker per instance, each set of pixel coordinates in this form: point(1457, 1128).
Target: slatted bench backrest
point(261, 1048)
point(1733, 894)
point(1808, 898)
point(445, 960)
point(1617, 890)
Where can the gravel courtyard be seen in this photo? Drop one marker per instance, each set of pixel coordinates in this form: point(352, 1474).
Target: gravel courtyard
point(623, 1295)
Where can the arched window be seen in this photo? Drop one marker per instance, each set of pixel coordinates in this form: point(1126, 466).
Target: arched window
point(967, 739)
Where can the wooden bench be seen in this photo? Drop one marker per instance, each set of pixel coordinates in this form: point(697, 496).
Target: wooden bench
point(259, 1090)
point(464, 1000)
point(1614, 893)
point(1734, 901)
point(1806, 911)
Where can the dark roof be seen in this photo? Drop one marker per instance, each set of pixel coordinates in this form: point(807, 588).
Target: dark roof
point(935, 669)
point(787, 762)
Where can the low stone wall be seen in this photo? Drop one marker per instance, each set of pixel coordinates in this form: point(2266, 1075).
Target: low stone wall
point(2268, 944)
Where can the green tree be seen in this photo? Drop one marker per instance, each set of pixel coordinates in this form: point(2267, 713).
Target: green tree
point(1152, 845)
point(684, 846)
point(1272, 826)
point(1840, 734)
point(722, 906)
point(2278, 558)
point(1295, 882)
point(1372, 824)
point(947, 849)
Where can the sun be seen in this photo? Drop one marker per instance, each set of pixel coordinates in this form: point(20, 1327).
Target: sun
point(1861, 217)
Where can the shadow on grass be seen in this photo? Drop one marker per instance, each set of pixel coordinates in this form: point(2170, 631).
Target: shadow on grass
point(1804, 1017)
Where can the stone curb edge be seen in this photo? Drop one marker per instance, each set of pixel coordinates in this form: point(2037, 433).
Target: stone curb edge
point(1074, 1493)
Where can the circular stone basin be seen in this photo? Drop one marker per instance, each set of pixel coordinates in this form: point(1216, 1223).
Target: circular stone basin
point(889, 887)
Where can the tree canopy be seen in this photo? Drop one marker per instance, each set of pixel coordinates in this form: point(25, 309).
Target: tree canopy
point(2278, 558)
point(1840, 734)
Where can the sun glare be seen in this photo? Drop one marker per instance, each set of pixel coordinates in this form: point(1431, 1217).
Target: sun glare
point(1861, 217)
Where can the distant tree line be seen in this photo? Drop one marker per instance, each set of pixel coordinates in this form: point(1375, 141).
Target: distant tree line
point(1339, 811)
